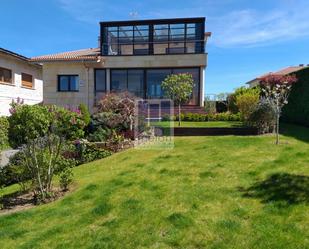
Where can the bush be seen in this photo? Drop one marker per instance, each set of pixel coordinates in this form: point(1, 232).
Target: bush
point(263, 117)
point(87, 152)
point(4, 127)
point(65, 179)
point(232, 98)
point(30, 122)
point(85, 115)
point(246, 103)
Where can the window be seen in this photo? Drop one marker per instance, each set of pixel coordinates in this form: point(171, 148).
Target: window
point(5, 75)
point(154, 80)
point(100, 80)
point(68, 83)
point(26, 80)
point(131, 80)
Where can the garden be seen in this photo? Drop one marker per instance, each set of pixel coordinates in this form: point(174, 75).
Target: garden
point(78, 182)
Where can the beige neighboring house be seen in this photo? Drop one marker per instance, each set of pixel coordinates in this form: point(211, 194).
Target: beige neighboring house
point(284, 71)
point(19, 78)
point(134, 56)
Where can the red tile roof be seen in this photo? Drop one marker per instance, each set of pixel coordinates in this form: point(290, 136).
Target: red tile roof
point(89, 54)
point(285, 71)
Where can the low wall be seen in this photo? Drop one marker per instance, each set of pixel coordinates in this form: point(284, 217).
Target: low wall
point(200, 131)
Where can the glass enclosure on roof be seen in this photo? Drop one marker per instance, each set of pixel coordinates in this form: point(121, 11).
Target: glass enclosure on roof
point(148, 37)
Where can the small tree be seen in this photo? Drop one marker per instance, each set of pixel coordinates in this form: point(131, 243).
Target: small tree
point(246, 103)
point(276, 89)
point(178, 87)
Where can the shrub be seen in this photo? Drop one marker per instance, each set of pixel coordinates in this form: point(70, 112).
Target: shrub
point(85, 115)
point(232, 98)
point(246, 103)
point(4, 127)
point(27, 123)
point(30, 122)
point(87, 152)
point(263, 117)
point(65, 179)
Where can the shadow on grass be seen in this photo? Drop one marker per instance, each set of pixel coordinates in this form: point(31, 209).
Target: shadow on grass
point(298, 132)
point(281, 187)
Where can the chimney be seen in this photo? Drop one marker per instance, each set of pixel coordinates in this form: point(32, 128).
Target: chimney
point(301, 65)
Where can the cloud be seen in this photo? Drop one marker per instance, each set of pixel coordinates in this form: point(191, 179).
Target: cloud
point(231, 23)
point(259, 28)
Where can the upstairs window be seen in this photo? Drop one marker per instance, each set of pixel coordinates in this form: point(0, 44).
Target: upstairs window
point(26, 80)
point(5, 75)
point(68, 83)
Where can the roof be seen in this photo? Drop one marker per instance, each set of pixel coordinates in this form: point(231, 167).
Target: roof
point(157, 21)
point(88, 54)
point(8, 52)
point(284, 71)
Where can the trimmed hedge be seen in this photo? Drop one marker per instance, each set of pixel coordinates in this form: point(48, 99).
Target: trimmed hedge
point(297, 110)
point(195, 117)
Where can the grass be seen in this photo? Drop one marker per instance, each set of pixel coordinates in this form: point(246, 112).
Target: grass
point(208, 124)
point(208, 192)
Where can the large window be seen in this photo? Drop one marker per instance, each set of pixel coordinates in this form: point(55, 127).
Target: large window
point(5, 75)
point(100, 80)
point(131, 80)
point(26, 80)
point(68, 83)
point(153, 37)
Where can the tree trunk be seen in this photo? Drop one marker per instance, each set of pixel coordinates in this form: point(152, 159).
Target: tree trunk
point(277, 128)
point(179, 118)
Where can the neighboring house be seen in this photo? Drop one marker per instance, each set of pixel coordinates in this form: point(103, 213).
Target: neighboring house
point(133, 56)
point(284, 71)
point(19, 78)
point(297, 109)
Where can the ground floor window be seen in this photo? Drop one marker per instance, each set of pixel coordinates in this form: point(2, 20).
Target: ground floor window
point(146, 83)
point(131, 80)
point(100, 80)
point(68, 83)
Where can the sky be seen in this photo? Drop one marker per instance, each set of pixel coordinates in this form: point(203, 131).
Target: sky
point(249, 38)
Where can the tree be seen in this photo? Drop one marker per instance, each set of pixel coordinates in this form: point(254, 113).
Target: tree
point(178, 87)
point(276, 89)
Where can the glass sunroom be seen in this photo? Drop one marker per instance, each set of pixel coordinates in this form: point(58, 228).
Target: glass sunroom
point(153, 37)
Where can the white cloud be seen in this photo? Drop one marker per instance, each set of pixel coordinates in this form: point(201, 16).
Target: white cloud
point(255, 28)
point(234, 28)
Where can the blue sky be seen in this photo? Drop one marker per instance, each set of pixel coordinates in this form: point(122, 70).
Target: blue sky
point(249, 38)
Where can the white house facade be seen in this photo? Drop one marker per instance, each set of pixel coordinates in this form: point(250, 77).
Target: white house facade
point(19, 78)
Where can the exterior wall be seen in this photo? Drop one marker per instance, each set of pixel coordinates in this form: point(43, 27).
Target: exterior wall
point(9, 92)
point(86, 93)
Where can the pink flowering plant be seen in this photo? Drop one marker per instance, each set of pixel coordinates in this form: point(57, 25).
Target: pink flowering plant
point(276, 90)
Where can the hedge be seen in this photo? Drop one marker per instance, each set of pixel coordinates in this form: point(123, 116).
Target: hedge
point(224, 116)
point(297, 110)
point(4, 126)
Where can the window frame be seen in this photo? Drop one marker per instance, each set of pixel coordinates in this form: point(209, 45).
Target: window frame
point(69, 82)
point(11, 77)
point(25, 85)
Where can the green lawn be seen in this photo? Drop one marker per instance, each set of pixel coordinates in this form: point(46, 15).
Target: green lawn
point(221, 124)
point(208, 192)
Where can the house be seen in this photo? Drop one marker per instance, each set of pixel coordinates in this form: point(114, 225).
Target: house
point(297, 109)
point(133, 56)
point(285, 71)
point(19, 78)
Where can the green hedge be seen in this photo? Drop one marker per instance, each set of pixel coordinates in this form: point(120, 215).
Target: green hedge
point(195, 117)
point(297, 110)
